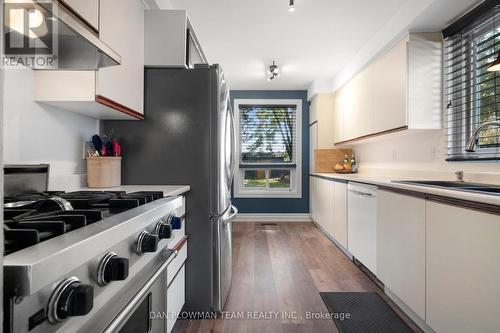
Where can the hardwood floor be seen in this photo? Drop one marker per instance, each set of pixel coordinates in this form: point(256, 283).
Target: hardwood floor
point(281, 269)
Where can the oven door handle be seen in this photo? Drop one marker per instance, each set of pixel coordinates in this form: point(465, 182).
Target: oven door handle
point(127, 310)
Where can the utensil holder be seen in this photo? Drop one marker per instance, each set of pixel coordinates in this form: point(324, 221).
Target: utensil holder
point(104, 171)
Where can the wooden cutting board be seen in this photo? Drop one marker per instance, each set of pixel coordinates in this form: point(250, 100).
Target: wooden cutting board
point(325, 159)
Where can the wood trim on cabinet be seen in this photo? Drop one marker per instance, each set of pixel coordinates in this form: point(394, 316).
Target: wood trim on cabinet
point(119, 107)
point(368, 136)
point(461, 203)
point(79, 17)
point(180, 244)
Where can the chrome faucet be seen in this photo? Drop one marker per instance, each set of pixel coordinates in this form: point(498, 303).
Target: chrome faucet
point(471, 145)
point(460, 176)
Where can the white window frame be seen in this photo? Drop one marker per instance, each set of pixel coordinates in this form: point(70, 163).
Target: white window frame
point(295, 190)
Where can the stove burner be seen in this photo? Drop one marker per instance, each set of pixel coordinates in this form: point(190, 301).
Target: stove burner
point(26, 226)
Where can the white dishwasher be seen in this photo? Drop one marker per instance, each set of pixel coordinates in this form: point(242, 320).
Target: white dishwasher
point(362, 224)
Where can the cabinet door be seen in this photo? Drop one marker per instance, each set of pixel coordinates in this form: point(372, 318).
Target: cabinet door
point(357, 105)
point(338, 116)
point(313, 111)
point(463, 270)
point(313, 199)
point(340, 214)
point(176, 297)
point(124, 84)
point(87, 10)
point(389, 77)
point(324, 106)
point(313, 145)
point(401, 247)
point(326, 195)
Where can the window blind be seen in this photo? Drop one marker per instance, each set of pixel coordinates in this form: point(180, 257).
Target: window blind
point(472, 93)
point(268, 136)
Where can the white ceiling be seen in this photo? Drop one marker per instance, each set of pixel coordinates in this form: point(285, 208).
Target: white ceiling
point(315, 42)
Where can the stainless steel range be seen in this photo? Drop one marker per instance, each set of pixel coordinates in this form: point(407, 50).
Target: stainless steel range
point(91, 261)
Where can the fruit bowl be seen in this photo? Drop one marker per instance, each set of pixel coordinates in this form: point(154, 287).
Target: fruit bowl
point(343, 171)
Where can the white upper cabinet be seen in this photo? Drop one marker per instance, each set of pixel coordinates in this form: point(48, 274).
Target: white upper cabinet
point(338, 117)
point(400, 89)
point(123, 84)
point(462, 269)
point(357, 105)
point(87, 10)
point(170, 40)
point(115, 92)
point(388, 94)
point(322, 109)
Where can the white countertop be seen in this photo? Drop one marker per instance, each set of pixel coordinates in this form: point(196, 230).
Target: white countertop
point(168, 190)
point(380, 181)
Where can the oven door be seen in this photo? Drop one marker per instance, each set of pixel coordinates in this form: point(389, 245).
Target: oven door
point(146, 311)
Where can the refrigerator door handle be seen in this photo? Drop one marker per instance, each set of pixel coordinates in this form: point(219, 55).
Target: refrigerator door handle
point(231, 216)
point(218, 216)
point(233, 146)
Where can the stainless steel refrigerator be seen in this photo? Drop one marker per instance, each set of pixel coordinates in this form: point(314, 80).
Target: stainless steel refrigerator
point(188, 137)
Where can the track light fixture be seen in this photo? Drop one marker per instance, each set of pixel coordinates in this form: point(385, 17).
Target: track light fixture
point(273, 71)
point(291, 7)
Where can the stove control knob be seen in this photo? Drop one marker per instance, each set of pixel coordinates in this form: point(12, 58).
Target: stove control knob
point(112, 268)
point(146, 242)
point(163, 230)
point(175, 222)
point(70, 298)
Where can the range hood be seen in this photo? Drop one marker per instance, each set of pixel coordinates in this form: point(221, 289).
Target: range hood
point(54, 37)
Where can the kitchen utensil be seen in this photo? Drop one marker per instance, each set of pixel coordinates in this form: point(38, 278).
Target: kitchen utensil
point(116, 148)
point(97, 142)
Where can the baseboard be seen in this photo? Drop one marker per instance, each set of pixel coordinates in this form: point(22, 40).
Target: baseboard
point(409, 312)
point(272, 217)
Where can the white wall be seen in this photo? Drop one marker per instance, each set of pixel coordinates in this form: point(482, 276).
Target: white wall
point(37, 133)
point(419, 154)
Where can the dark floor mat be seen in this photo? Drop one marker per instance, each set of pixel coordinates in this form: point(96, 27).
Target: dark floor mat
point(368, 313)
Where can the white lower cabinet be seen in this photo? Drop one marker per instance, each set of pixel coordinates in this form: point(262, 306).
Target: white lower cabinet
point(340, 214)
point(326, 210)
point(176, 296)
point(328, 207)
point(313, 198)
point(401, 247)
point(176, 286)
point(463, 270)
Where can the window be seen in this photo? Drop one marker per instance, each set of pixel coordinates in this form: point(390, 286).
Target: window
point(269, 135)
point(473, 93)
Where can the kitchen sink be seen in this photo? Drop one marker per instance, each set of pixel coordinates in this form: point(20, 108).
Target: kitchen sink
point(439, 183)
point(485, 189)
point(455, 185)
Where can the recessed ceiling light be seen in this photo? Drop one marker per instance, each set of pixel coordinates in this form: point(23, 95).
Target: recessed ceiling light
point(291, 7)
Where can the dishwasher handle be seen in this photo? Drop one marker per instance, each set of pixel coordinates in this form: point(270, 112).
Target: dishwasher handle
point(362, 194)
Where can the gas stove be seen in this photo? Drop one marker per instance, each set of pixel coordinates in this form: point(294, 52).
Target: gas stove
point(88, 261)
point(31, 218)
